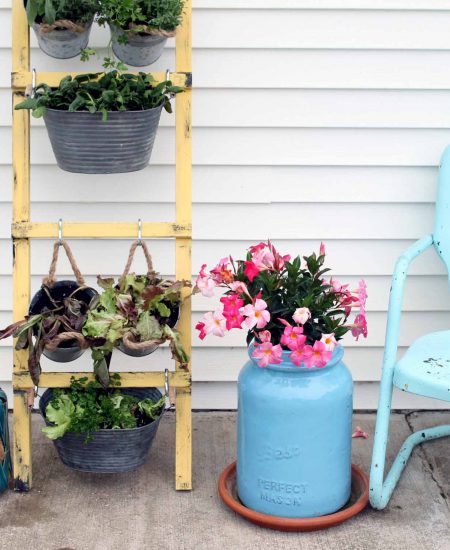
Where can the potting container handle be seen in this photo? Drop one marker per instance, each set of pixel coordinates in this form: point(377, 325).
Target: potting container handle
point(139, 242)
point(51, 279)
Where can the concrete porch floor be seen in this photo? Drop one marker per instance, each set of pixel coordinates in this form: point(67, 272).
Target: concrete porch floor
point(140, 510)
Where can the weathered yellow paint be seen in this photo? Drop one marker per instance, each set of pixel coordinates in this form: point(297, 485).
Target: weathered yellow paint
point(22, 442)
point(178, 379)
point(183, 245)
point(21, 248)
point(20, 79)
point(99, 230)
point(23, 230)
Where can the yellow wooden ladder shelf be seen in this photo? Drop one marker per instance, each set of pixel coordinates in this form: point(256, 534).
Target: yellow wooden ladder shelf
point(23, 229)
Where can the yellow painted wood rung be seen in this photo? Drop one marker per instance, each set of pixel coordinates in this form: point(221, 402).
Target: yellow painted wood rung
point(177, 379)
point(22, 78)
point(100, 230)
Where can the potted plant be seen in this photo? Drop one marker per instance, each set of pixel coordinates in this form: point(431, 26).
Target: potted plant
point(56, 316)
point(102, 122)
point(62, 27)
point(140, 28)
point(136, 315)
point(295, 393)
point(102, 430)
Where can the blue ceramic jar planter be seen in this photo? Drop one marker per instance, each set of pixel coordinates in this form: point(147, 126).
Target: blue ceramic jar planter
point(294, 437)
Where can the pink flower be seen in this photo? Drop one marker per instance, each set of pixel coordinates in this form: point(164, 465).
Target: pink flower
point(359, 326)
point(201, 327)
point(322, 249)
point(362, 295)
point(263, 259)
point(257, 314)
point(233, 319)
point(316, 355)
point(222, 272)
point(251, 271)
point(360, 433)
point(293, 338)
point(213, 323)
point(257, 247)
point(337, 286)
point(301, 315)
point(329, 340)
point(240, 288)
point(231, 302)
point(264, 335)
point(297, 356)
point(204, 283)
point(267, 353)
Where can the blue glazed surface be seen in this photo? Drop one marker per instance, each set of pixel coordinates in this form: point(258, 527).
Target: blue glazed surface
point(294, 437)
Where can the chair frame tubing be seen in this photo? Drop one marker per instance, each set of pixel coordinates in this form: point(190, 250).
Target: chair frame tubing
point(381, 491)
point(23, 230)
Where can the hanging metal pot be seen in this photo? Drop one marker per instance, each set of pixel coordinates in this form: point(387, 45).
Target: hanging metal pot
point(84, 143)
point(137, 48)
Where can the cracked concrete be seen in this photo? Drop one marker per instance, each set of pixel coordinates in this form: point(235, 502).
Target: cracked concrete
point(140, 510)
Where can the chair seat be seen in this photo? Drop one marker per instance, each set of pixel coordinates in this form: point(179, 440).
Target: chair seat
point(425, 367)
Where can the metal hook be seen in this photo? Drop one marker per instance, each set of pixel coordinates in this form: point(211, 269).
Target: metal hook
point(33, 82)
point(60, 234)
point(167, 74)
point(139, 232)
point(166, 389)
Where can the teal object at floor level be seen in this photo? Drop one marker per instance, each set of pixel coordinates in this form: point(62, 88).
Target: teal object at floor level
point(425, 367)
point(5, 461)
point(294, 437)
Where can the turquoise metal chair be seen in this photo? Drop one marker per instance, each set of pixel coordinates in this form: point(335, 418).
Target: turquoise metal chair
point(425, 367)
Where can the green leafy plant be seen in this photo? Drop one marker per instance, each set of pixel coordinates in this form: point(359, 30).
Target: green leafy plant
point(137, 309)
point(49, 11)
point(139, 15)
point(35, 332)
point(87, 407)
point(102, 92)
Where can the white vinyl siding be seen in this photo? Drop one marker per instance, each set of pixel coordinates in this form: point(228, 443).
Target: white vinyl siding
point(313, 120)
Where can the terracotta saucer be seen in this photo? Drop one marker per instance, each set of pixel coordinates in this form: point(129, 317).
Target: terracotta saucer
point(357, 502)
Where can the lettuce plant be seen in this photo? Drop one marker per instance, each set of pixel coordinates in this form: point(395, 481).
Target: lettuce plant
point(87, 407)
point(138, 308)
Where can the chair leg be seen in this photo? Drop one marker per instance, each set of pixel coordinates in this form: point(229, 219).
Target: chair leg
point(380, 493)
point(377, 494)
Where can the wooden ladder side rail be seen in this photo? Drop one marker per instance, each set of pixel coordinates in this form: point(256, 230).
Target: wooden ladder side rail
point(23, 230)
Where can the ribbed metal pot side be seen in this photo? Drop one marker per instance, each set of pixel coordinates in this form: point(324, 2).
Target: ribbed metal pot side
point(83, 143)
point(109, 451)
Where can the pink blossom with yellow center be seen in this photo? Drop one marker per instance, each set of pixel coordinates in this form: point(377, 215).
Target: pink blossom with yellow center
point(329, 340)
point(316, 355)
point(256, 314)
point(301, 315)
point(293, 338)
point(266, 353)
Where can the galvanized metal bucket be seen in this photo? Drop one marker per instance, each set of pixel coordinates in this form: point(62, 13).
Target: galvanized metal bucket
point(83, 143)
point(60, 42)
point(5, 450)
point(66, 351)
point(139, 50)
point(109, 451)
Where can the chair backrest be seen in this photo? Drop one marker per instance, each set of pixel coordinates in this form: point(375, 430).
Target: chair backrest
point(441, 234)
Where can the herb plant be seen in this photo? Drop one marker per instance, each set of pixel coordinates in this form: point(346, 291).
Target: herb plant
point(35, 332)
point(137, 309)
point(284, 304)
point(49, 11)
point(139, 14)
point(87, 407)
point(102, 92)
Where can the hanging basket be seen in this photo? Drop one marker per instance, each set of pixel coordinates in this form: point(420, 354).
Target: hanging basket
point(63, 39)
point(128, 344)
point(138, 48)
point(84, 143)
point(69, 348)
point(109, 451)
